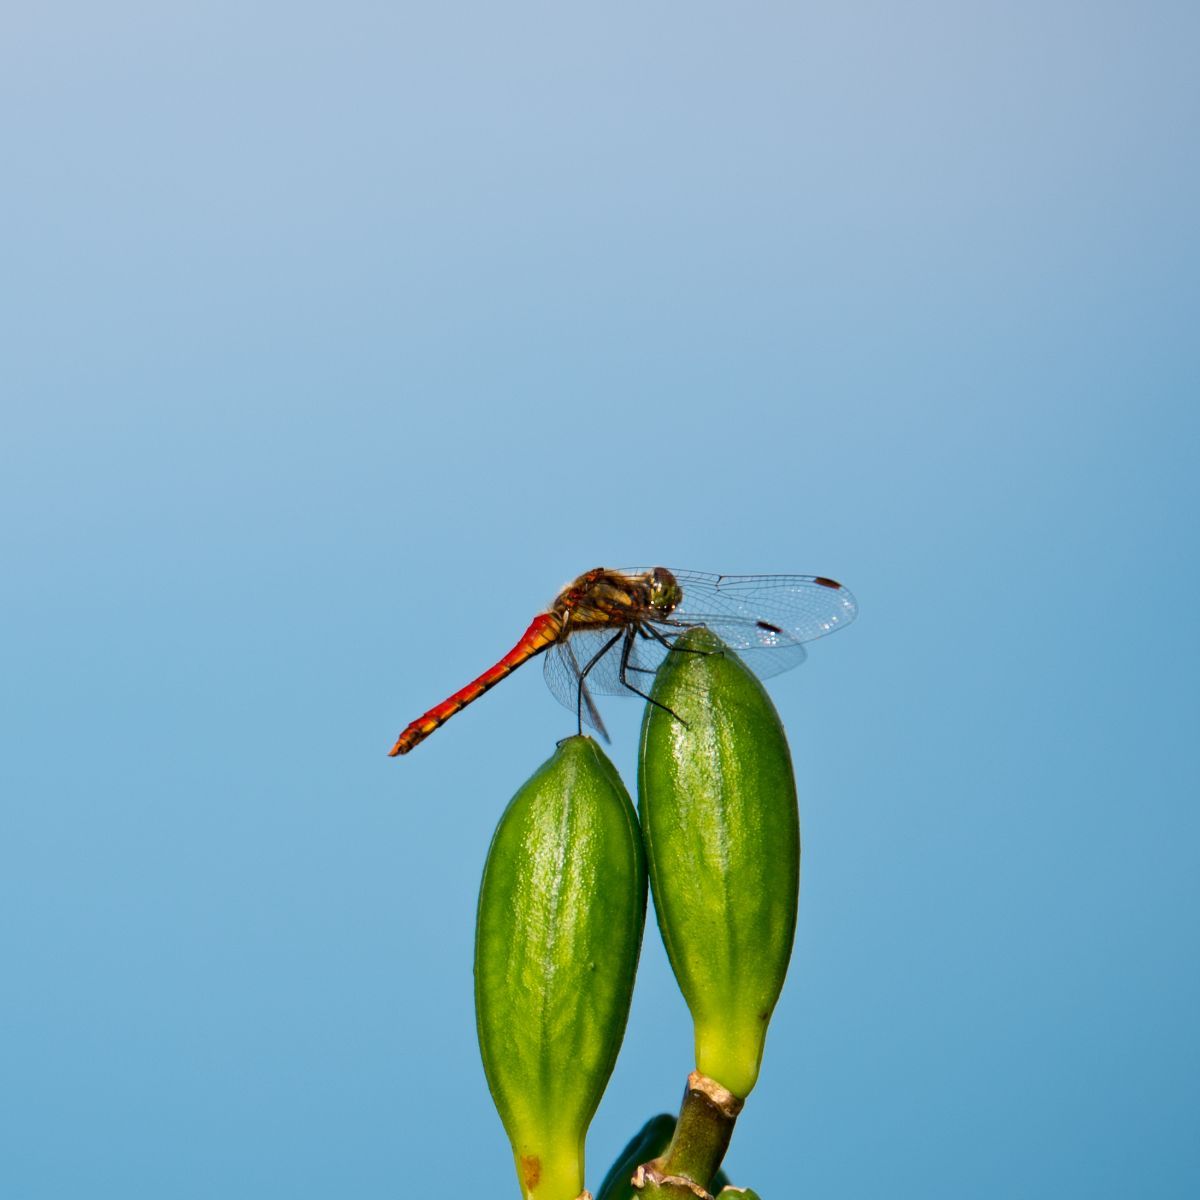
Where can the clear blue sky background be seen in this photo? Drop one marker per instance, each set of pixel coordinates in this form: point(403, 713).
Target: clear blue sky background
point(334, 338)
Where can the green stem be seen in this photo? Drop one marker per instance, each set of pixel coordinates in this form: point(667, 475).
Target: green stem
point(706, 1120)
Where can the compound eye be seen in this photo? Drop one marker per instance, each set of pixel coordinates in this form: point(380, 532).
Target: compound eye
point(664, 591)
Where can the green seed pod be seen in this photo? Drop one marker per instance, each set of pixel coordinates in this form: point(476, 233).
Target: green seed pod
point(561, 911)
point(722, 833)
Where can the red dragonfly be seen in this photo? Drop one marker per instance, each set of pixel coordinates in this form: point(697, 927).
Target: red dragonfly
point(609, 630)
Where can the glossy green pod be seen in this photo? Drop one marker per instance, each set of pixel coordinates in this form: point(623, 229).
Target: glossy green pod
point(722, 833)
point(561, 910)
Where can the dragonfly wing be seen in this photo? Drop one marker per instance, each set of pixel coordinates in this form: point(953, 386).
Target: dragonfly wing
point(564, 664)
point(765, 612)
point(766, 619)
point(766, 661)
point(764, 653)
point(646, 653)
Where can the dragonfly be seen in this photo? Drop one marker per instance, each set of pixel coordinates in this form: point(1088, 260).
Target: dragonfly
point(609, 630)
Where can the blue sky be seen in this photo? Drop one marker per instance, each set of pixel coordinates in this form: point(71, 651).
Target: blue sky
point(334, 340)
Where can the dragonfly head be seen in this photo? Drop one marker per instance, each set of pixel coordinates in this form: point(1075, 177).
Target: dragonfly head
point(665, 592)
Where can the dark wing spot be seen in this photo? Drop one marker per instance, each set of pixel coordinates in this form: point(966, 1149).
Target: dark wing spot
point(768, 626)
point(830, 583)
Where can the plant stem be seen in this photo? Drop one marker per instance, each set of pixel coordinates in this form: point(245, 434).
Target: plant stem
point(706, 1120)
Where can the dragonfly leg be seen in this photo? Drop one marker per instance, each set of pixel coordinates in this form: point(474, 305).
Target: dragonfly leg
point(681, 625)
point(670, 642)
point(641, 631)
point(651, 634)
point(591, 662)
point(626, 650)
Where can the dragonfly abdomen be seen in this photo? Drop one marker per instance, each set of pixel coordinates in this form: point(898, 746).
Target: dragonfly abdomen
point(544, 631)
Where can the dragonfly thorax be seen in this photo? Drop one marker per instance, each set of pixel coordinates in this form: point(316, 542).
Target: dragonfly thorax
point(605, 598)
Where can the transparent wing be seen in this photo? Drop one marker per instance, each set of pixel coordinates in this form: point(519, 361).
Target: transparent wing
point(766, 661)
point(763, 611)
point(600, 651)
point(766, 619)
point(566, 660)
point(564, 664)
